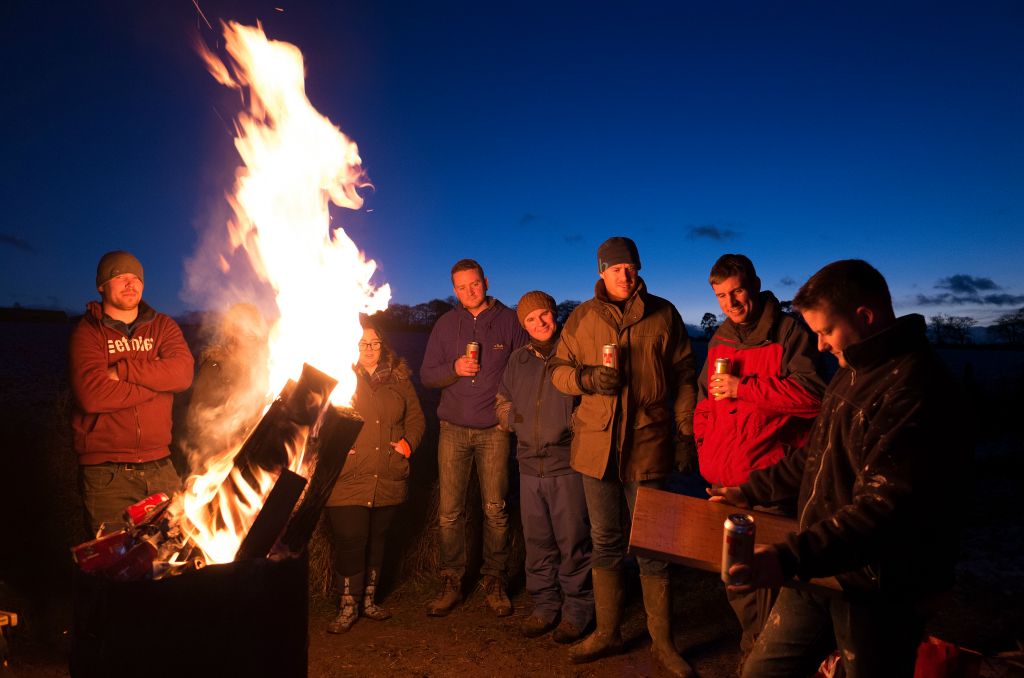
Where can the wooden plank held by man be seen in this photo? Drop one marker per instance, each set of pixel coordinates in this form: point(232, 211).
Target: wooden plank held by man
point(688, 531)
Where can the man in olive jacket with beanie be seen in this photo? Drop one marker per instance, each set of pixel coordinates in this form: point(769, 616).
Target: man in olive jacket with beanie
point(633, 420)
point(126, 363)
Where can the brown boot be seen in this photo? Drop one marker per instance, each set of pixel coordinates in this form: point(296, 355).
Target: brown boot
point(495, 596)
point(657, 603)
point(348, 613)
point(370, 608)
point(447, 598)
point(606, 638)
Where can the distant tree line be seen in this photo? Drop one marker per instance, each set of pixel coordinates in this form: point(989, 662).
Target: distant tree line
point(956, 329)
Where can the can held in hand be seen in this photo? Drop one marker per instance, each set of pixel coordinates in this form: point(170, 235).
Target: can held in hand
point(473, 351)
point(610, 356)
point(722, 365)
point(737, 544)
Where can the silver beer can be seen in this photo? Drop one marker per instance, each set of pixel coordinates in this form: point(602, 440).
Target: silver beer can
point(722, 365)
point(610, 355)
point(737, 543)
point(473, 351)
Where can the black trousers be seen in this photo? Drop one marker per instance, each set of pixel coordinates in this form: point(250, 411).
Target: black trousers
point(358, 535)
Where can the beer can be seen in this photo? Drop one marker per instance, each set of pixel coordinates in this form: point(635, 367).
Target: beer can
point(610, 355)
point(737, 543)
point(473, 351)
point(722, 365)
point(147, 509)
point(103, 552)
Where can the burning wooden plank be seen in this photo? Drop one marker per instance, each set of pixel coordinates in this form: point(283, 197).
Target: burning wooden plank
point(688, 531)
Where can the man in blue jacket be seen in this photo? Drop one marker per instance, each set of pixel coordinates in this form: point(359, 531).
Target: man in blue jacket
point(469, 432)
point(554, 508)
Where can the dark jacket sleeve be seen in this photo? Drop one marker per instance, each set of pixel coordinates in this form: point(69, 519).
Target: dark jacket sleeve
point(852, 536)
point(776, 484)
point(438, 369)
point(683, 367)
point(96, 392)
point(798, 390)
point(564, 363)
point(173, 368)
point(415, 423)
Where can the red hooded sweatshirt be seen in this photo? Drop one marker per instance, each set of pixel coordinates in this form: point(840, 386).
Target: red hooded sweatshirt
point(128, 420)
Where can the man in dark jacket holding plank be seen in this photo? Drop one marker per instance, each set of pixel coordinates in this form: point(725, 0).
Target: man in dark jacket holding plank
point(871, 486)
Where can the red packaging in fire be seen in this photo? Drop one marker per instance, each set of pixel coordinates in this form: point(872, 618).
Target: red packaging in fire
point(102, 552)
point(136, 564)
point(147, 509)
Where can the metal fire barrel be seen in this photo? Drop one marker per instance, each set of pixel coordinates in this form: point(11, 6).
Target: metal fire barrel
point(246, 618)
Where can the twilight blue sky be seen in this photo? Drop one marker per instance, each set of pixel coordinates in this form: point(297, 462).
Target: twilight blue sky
point(524, 134)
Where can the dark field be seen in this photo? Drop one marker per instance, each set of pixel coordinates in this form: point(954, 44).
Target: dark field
point(41, 514)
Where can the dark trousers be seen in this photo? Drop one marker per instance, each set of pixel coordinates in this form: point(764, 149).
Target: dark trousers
point(877, 638)
point(557, 534)
point(358, 536)
point(109, 488)
point(604, 503)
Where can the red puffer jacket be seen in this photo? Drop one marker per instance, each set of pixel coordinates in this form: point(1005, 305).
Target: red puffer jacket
point(777, 399)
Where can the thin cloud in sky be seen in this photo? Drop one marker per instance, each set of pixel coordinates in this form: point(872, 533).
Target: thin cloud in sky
point(16, 242)
point(968, 289)
point(711, 232)
point(787, 281)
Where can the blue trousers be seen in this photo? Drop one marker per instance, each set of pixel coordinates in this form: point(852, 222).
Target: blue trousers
point(557, 533)
point(877, 638)
point(458, 447)
point(604, 502)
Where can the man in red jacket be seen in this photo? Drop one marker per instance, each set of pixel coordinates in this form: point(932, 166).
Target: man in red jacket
point(126, 362)
point(763, 407)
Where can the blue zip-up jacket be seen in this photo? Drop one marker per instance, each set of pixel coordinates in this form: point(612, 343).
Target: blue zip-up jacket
point(540, 415)
point(469, 401)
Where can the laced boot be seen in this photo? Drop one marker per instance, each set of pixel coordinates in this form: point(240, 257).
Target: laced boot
point(447, 598)
point(606, 638)
point(370, 608)
point(658, 604)
point(348, 613)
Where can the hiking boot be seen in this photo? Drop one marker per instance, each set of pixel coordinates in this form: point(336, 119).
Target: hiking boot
point(566, 633)
point(370, 608)
point(447, 598)
point(534, 626)
point(496, 598)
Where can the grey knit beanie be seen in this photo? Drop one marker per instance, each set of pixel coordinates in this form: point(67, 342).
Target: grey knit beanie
point(617, 250)
point(116, 263)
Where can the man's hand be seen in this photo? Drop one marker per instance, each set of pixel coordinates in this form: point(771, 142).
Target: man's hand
point(466, 367)
point(503, 410)
point(686, 455)
point(728, 495)
point(598, 379)
point(764, 572)
point(112, 373)
point(723, 386)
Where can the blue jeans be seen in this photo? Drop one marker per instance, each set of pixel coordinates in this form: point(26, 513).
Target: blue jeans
point(877, 638)
point(557, 535)
point(109, 488)
point(604, 502)
point(457, 448)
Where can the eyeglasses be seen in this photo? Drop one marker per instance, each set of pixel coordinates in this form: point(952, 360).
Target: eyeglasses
point(369, 345)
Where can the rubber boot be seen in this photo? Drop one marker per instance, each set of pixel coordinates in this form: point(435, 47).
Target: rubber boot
point(658, 604)
point(606, 638)
point(349, 611)
point(370, 608)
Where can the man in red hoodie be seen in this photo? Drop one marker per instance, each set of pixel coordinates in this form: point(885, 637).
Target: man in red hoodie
point(126, 362)
point(762, 408)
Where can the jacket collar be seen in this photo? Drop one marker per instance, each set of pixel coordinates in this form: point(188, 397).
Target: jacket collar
point(758, 332)
point(634, 306)
point(907, 334)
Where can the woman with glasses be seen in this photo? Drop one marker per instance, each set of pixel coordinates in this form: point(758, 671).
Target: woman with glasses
point(374, 480)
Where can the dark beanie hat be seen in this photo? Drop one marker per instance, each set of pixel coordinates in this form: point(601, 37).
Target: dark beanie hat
point(116, 263)
point(530, 302)
point(617, 250)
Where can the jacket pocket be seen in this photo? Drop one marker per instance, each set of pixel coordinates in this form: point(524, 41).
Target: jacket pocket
point(593, 414)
